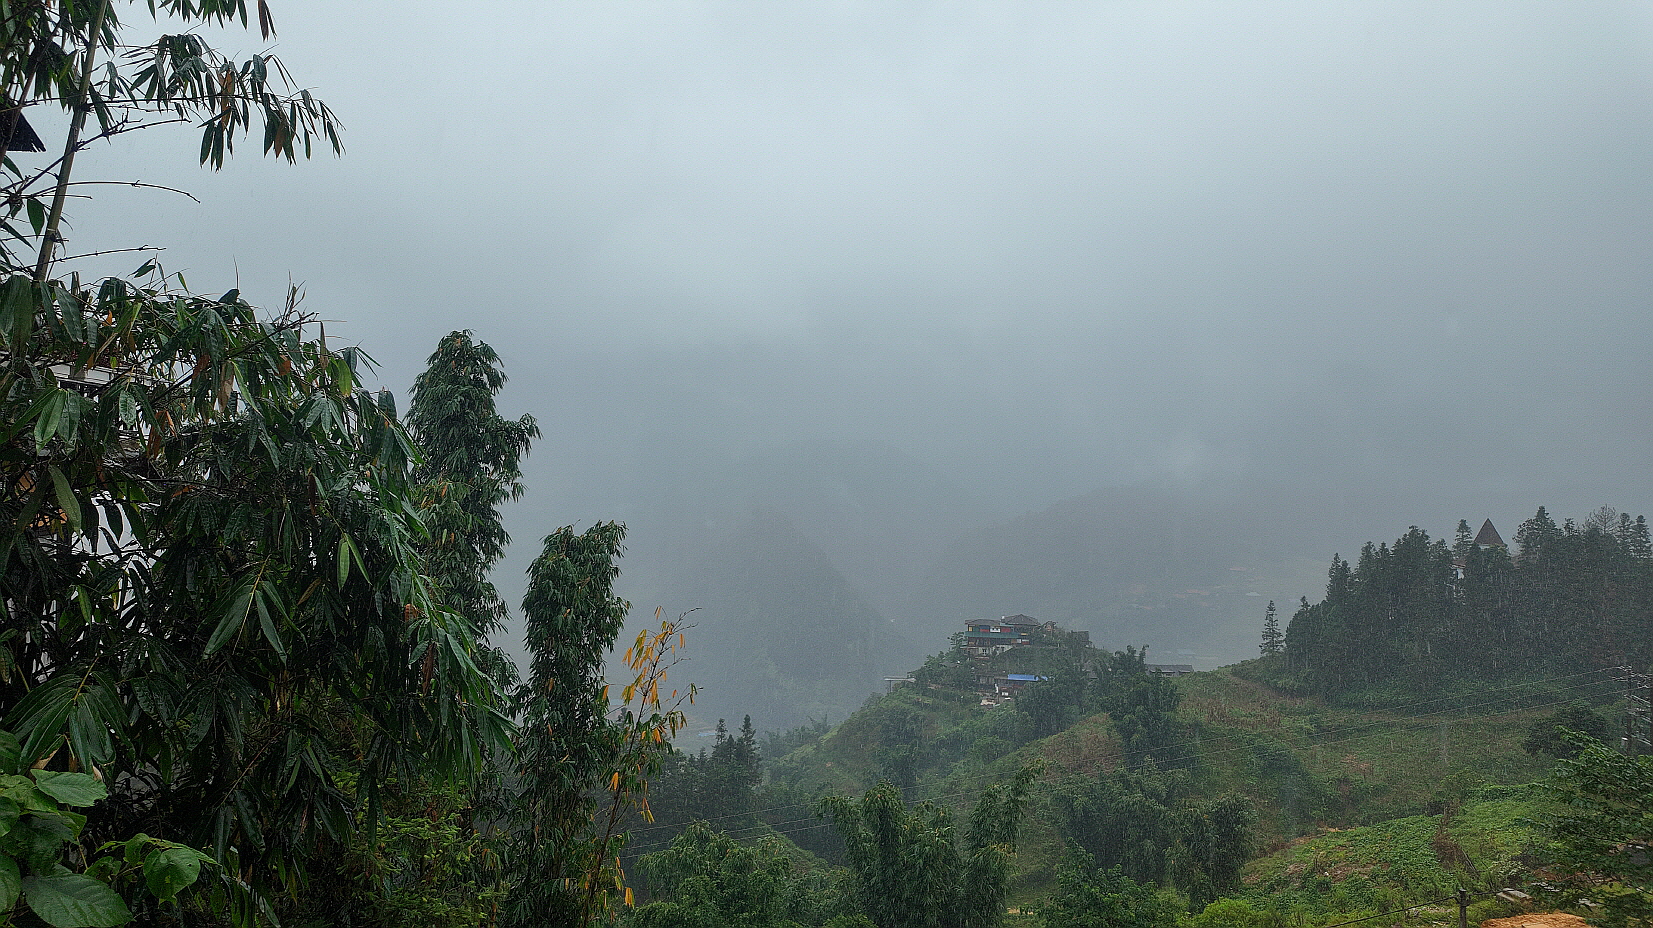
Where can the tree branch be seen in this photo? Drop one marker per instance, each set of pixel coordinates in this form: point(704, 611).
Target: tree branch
point(49, 237)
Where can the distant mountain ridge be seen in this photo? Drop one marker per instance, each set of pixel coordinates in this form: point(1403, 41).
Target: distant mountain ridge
point(779, 633)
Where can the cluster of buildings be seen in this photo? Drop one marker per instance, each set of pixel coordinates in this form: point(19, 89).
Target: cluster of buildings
point(984, 639)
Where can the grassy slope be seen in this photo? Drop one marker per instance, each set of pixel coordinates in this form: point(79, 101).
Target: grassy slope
point(1362, 780)
point(1482, 845)
point(1310, 765)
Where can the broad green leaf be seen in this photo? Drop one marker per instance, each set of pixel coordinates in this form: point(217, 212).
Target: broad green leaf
point(98, 712)
point(11, 883)
point(16, 303)
point(132, 849)
point(37, 214)
point(28, 415)
point(170, 870)
point(39, 837)
point(73, 900)
point(71, 789)
point(105, 869)
point(11, 753)
point(20, 306)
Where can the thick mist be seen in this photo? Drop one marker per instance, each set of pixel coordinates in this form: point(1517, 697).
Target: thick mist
point(1124, 315)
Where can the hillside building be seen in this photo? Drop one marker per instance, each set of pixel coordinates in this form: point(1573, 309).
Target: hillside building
point(984, 638)
point(1487, 537)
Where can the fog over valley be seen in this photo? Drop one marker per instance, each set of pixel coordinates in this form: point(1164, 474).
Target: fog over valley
point(871, 318)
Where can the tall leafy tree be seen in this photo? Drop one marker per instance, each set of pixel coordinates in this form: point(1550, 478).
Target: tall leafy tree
point(910, 868)
point(435, 859)
point(1144, 824)
point(707, 878)
point(567, 744)
point(209, 573)
point(1088, 897)
point(470, 463)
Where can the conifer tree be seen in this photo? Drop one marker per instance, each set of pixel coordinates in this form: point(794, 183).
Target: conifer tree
point(1463, 541)
point(1274, 641)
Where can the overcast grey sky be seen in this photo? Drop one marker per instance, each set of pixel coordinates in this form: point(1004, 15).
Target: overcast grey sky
point(1044, 246)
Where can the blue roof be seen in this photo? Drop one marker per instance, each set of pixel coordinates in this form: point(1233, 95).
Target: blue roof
point(1025, 677)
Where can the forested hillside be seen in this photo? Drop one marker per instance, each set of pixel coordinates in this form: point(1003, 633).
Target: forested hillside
point(1425, 614)
point(1211, 793)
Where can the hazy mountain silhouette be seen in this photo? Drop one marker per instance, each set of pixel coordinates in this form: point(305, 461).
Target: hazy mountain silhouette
point(779, 633)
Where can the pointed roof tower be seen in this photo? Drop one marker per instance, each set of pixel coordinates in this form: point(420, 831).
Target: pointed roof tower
point(1488, 536)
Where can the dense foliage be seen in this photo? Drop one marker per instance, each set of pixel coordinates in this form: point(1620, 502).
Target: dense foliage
point(1605, 835)
point(470, 463)
point(1092, 897)
point(910, 869)
point(566, 740)
point(211, 586)
point(1146, 825)
point(1569, 599)
point(706, 879)
point(717, 784)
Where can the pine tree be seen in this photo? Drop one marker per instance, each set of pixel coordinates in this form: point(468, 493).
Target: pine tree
point(1534, 534)
point(1274, 640)
point(1463, 541)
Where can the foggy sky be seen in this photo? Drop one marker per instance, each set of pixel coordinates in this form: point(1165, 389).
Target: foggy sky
point(1401, 248)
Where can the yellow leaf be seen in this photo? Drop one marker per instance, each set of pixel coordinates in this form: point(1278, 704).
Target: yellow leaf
point(628, 895)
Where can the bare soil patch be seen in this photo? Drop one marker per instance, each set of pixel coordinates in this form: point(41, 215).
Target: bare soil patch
point(1537, 920)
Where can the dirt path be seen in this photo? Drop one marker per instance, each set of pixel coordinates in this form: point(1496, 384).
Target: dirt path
point(1537, 920)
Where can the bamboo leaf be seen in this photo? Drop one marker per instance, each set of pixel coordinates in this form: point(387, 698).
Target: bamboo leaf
point(233, 618)
point(260, 595)
point(65, 497)
point(51, 413)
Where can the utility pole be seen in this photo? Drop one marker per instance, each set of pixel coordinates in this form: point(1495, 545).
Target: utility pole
point(1638, 712)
